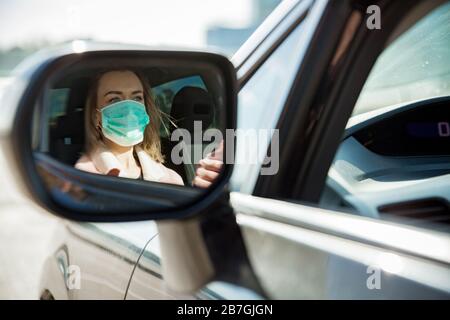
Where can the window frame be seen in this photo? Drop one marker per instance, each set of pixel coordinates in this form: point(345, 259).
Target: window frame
point(325, 92)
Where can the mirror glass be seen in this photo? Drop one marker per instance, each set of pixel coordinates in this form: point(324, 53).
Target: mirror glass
point(156, 124)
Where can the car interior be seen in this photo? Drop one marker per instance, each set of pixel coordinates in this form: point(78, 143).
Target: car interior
point(395, 165)
point(394, 159)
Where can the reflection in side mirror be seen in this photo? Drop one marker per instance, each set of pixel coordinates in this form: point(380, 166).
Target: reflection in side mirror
point(112, 121)
point(119, 132)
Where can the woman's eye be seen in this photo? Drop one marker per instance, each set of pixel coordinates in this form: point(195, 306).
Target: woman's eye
point(138, 98)
point(115, 99)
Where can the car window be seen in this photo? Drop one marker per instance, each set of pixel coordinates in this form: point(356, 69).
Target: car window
point(416, 66)
point(394, 160)
point(164, 94)
point(260, 103)
point(58, 104)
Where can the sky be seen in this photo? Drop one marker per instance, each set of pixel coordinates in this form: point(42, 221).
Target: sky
point(150, 22)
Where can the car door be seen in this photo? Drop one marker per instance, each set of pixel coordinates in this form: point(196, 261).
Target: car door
point(301, 251)
point(316, 69)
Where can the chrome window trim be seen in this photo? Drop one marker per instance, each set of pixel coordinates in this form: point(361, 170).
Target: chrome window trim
point(426, 244)
point(266, 39)
point(262, 32)
point(434, 275)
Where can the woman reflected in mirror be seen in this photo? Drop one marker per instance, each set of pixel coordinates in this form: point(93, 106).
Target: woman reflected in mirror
point(122, 125)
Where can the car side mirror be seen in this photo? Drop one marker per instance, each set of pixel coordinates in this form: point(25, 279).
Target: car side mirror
point(73, 164)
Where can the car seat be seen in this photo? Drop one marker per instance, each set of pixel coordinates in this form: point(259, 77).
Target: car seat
point(189, 104)
point(67, 135)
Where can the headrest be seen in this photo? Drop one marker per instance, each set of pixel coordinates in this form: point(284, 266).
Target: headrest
point(78, 94)
point(70, 125)
point(192, 104)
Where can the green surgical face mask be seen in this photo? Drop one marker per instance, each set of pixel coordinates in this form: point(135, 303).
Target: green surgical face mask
point(124, 122)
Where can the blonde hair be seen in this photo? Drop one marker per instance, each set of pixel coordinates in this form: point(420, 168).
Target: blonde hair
point(93, 135)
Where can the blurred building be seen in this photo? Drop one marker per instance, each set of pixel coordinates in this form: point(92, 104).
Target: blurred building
point(228, 40)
